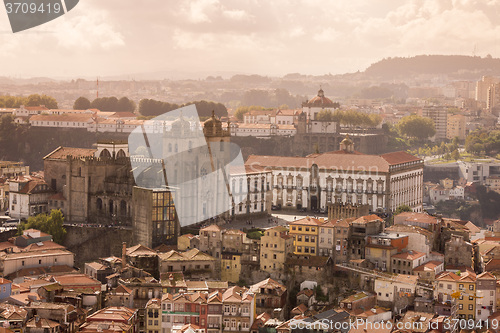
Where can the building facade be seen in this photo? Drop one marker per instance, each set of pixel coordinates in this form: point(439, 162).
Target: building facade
point(383, 182)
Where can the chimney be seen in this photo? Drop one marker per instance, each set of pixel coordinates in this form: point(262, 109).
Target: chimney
point(124, 255)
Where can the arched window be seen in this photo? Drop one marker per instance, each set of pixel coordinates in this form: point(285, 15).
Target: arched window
point(120, 153)
point(105, 153)
point(123, 208)
point(99, 204)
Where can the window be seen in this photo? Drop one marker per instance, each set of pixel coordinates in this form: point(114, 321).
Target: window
point(471, 307)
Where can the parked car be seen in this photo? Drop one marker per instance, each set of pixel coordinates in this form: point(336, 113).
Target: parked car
point(302, 209)
point(323, 211)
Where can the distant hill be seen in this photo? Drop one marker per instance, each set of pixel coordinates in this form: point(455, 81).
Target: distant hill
point(457, 66)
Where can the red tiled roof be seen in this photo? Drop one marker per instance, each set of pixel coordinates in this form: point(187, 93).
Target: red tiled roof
point(329, 161)
point(418, 217)
point(212, 227)
point(61, 153)
point(4, 281)
point(76, 280)
point(368, 218)
point(399, 157)
point(35, 108)
point(428, 266)
point(410, 255)
point(32, 185)
point(140, 250)
point(58, 196)
point(308, 221)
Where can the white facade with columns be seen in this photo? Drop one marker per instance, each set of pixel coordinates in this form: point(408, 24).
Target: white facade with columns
point(382, 182)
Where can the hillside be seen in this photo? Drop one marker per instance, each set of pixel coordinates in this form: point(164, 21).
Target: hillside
point(455, 66)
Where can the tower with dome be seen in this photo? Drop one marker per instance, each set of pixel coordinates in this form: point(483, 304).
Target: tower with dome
point(316, 104)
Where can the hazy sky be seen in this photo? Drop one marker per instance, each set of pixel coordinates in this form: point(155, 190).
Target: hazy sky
point(269, 37)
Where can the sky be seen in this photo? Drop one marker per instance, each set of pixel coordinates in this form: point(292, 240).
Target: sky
point(266, 37)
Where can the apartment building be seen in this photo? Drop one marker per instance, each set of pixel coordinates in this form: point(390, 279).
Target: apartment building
point(276, 244)
point(238, 306)
point(305, 235)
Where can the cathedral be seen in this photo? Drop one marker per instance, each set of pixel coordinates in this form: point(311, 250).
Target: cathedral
point(178, 176)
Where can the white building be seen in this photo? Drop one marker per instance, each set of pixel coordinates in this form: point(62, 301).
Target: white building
point(286, 117)
point(486, 304)
point(259, 117)
point(478, 171)
point(382, 182)
point(257, 197)
point(261, 130)
point(440, 117)
point(28, 197)
point(316, 104)
point(403, 285)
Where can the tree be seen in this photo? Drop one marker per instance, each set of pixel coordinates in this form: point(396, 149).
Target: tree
point(325, 115)
point(455, 154)
point(105, 104)
point(81, 103)
point(52, 224)
point(242, 110)
point(124, 104)
point(37, 100)
point(416, 127)
point(402, 209)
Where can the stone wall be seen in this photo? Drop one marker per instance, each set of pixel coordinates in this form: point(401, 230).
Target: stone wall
point(89, 243)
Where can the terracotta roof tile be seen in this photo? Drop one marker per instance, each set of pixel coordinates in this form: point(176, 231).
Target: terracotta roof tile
point(61, 153)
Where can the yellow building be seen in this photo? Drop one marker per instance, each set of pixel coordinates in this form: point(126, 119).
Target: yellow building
point(493, 183)
point(455, 127)
point(187, 242)
point(467, 302)
point(276, 244)
point(153, 316)
point(230, 266)
point(447, 183)
point(305, 235)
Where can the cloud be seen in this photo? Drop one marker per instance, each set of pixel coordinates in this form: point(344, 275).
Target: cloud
point(263, 36)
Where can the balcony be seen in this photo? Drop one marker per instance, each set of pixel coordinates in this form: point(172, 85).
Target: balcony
point(213, 325)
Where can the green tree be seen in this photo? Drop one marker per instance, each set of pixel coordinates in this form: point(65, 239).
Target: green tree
point(37, 100)
point(124, 104)
point(242, 110)
point(455, 154)
point(81, 103)
point(325, 115)
point(52, 224)
point(402, 209)
point(417, 127)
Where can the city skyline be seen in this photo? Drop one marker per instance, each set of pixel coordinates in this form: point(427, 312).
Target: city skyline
point(269, 38)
